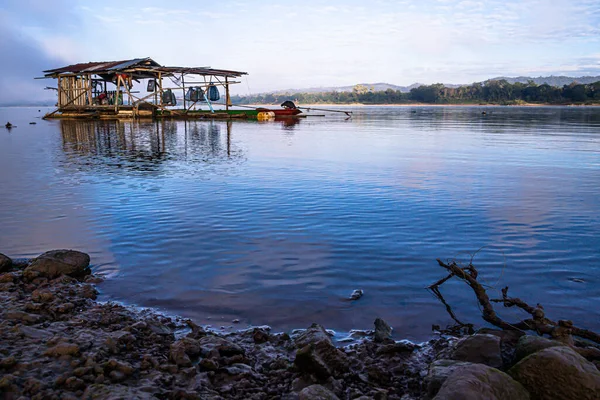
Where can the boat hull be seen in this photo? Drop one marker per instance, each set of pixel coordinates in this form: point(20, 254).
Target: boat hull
point(281, 112)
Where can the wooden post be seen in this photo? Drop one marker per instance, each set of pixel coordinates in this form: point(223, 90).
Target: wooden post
point(183, 88)
point(59, 91)
point(90, 95)
point(229, 124)
point(117, 94)
point(161, 89)
point(227, 97)
point(155, 92)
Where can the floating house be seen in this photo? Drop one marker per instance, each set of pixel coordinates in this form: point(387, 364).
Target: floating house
point(142, 88)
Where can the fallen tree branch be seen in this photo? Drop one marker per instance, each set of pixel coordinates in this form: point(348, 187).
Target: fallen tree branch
point(563, 330)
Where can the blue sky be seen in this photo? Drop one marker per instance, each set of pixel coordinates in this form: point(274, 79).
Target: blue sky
point(307, 43)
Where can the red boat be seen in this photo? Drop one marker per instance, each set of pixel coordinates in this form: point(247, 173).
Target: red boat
point(281, 112)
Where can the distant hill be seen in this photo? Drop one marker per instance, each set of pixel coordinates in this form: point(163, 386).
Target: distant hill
point(380, 86)
point(558, 81)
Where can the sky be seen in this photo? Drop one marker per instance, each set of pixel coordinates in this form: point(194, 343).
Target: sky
point(306, 43)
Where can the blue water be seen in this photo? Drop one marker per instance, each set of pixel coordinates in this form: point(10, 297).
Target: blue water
point(277, 223)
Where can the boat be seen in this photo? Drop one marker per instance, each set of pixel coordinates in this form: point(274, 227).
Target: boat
point(281, 112)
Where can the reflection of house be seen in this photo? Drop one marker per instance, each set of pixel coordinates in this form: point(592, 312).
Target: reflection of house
point(145, 144)
point(106, 90)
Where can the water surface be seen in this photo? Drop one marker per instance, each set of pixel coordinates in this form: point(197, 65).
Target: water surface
point(276, 223)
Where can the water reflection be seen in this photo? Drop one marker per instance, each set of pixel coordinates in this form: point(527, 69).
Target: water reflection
point(276, 222)
point(146, 146)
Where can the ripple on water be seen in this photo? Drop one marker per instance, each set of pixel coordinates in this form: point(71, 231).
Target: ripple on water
point(277, 223)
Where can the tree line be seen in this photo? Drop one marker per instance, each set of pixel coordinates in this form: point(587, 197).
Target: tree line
point(488, 92)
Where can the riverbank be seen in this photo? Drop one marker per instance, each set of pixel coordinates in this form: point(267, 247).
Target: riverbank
point(308, 105)
point(58, 342)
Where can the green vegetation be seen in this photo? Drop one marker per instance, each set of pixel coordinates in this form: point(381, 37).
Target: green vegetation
point(488, 92)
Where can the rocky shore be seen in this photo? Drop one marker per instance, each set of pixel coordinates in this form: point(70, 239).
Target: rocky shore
point(58, 342)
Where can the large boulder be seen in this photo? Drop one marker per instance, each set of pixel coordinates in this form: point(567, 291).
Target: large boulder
point(531, 344)
point(59, 262)
point(316, 392)
point(5, 263)
point(439, 371)
point(480, 382)
point(481, 349)
point(318, 356)
point(558, 373)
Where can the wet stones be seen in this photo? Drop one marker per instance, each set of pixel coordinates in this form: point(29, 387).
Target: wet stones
point(484, 349)
point(24, 317)
point(438, 372)
point(316, 392)
point(62, 349)
point(480, 382)
point(5, 263)
point(558, 373)
point(214, 346)
point(314, 334)
point(42, 296)
point(8, 362)
point(318, 356)
point(531, 344)
point(182, 350)
point(383, 331)
point(54, 263)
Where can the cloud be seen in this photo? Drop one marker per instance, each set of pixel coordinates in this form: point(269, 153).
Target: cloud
point(32, 41)
point(318, 43)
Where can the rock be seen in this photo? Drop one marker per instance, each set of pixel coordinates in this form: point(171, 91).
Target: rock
point(74, 383)
point(399, 347)
point(530, 344)
point(321, 359)
point(115, 365)
point(356, 294)
point(8, 362)
point(24, 317)
point(480, 382)
point(260, 336)
point(216, 346)
point(178, 356)
point(558, 373)
point(5, 263)
point(116, 376)
point(100, 391)
point(42, 296)
point(159, 329)
point(439, 371)
point(208, 364)
point(481, 349)
point(59, 262)
point(316, 392)
point(65, 308)
point(7, 278)
point(34, 333)
point(382, 330)
point(314, 334)
point(62, 349)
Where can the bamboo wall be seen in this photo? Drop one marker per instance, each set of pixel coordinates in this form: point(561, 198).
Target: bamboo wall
point(74, 91)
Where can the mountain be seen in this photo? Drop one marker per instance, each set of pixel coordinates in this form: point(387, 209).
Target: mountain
point(558, 81)
point(380, 86)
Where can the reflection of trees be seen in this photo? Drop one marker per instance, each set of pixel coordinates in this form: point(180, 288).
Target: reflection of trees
point(146, 145)
point(499, 119)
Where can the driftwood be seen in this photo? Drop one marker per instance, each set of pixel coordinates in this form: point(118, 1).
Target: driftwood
point(563, 330)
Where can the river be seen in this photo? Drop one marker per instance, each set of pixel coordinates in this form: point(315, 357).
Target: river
point(278, 222)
